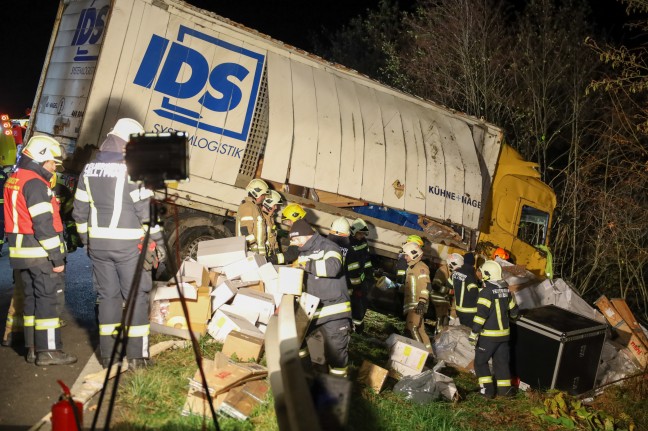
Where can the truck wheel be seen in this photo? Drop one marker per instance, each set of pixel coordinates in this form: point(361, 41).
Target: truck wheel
point(189, 240)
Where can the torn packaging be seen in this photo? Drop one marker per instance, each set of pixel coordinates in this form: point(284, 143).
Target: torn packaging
point(242, 400)
point(223, 374)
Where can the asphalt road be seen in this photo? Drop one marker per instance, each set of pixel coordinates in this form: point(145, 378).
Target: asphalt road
point(27, 392)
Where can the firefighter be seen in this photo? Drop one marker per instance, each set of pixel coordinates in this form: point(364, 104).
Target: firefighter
point(401, 263)
point(36, 248)
point(269, 207)
point(292, 213)
point(321, 260)
point(340, 233)
point(417, 297)
point(249, 219)
point(466, 287)
point(491, 330)
point(111, 214)
point(3, 179)
point(359, 231)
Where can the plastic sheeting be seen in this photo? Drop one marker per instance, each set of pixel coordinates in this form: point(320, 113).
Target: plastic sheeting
point(452, 346)
point(428, 386)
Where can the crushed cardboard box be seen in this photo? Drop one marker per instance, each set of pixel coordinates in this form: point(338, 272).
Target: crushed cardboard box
point(246, 347)
point(372, 375)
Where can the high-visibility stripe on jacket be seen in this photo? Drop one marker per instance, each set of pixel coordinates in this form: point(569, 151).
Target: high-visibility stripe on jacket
point(466, 287)
point(361, 249)
point(32, 219)
point(251, 225)
point(494, 306)
point(324, 278)
point(417, 286)
point(110, 212)
point(272, 244)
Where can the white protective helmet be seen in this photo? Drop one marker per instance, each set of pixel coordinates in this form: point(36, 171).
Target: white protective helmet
point(272, 198)
point(491, 270)
point(257, 188)
point(413, 250)
point(359, 225)
point(454, 260)
point(43, 148)
point(341, 227)
point(126, 127)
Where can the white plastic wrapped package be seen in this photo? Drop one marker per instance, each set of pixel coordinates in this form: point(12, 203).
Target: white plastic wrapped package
point(452, 346)
point(428, 386)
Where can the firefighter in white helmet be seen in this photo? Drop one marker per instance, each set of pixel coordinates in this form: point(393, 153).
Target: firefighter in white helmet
point(269, 207)
point(111, 215)
point(36, 248)
point(490, 334)
point(249, 219)
point(417, 293)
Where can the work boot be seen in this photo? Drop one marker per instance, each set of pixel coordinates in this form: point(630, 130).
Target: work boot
point(54, 357)
point(506, 392)
point(137, 363)
point(105, 362)
point(31, 355)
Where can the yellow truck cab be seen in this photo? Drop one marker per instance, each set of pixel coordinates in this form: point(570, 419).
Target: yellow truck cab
point(7, 142)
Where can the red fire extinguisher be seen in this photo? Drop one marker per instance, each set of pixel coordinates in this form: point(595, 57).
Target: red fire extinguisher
point(67, 414)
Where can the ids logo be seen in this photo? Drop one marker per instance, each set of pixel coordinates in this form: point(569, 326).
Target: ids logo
point(214, 92)
point(89, 30)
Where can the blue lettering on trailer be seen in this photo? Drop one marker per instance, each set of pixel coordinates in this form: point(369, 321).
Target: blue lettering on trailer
point(447, 194)
point(215, 90)
point(89, 31)
point(201, 142)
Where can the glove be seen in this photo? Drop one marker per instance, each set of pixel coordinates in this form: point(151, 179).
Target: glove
point(472, 339)
point(150, 258)
point(420, 308)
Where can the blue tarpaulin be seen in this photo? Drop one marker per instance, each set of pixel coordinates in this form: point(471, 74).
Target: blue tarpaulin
point(401, 218)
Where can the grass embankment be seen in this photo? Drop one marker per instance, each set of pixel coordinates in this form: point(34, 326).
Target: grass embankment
point(153, 399)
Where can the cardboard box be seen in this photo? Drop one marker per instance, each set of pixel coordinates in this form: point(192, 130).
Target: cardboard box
point(246, 347)
point(241, 401)
point(262, 302)
point(268, 272)
point(222, 323)
point(304, 314)
point(372, 375)
point(315, 343)
point(199, 310)
point(196, 403)
point(223, 374)
point(247, 268)
point(614, 319)
point(223, 293)
point(189, 291)
point(626, 314)
point(407, 352)
point(398, 370)
point(291, 280)
point(272, 287)
point(193, 271)
point(249, 314)
point(221, 252)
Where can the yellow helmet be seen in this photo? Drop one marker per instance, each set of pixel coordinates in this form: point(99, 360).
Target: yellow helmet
point(293, 212)
point(415, 239)
point(257, 188)
point(341, 227)
point(43, 148)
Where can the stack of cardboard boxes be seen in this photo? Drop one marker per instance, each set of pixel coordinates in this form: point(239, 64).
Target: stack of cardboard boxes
point(230, 294)
point(629, 334)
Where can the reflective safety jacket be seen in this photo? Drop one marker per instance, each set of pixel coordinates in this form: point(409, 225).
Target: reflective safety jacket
point(361, 249)
point(417, 286)
point(401, 269)
point(494, 305)
point(466, 287)
point(251, 225)
point(111, 213)
point(32, 220)
point(351, 262)
point(272, 243)
point(321, 259)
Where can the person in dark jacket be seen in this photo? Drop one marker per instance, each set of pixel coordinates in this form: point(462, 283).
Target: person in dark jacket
point(466, 286)
point(111, 216)
point(321, 260)
point(491, 331)
point(36, 248)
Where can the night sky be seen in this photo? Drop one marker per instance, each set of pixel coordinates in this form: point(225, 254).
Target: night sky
point(26, 36)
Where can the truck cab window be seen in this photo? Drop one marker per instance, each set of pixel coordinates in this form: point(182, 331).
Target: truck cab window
point(533, 225)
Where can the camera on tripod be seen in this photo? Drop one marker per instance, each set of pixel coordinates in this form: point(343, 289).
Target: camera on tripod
point(157, 159)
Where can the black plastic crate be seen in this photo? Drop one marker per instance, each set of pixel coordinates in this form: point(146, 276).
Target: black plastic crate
point(555, 348)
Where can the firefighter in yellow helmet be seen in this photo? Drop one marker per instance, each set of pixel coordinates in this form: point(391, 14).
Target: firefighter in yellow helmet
point(417, 293)
point(292, 213)
point(36, 248)
point(249, 219)
point(490, 334)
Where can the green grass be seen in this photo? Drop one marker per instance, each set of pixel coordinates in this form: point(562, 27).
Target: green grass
point(153, 399)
